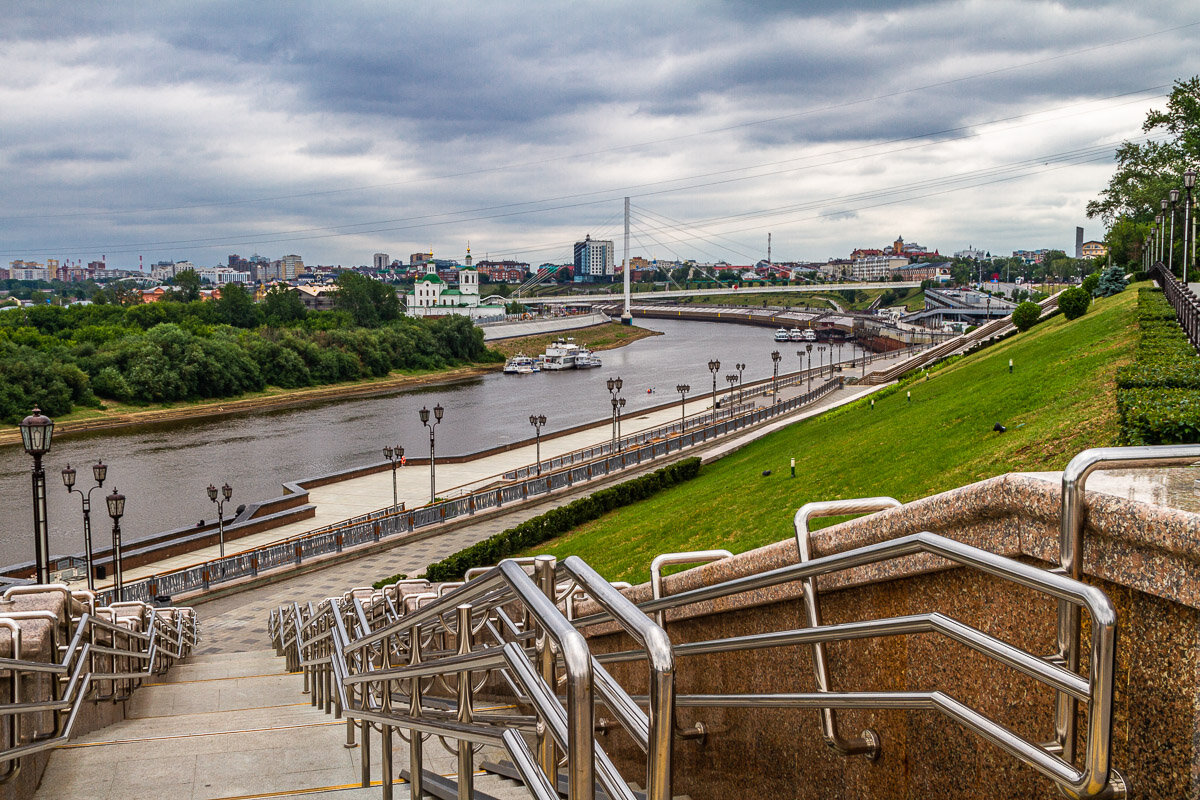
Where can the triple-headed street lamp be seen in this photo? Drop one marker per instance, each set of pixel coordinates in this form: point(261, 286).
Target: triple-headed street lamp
point(396, 456)
point(116, 509)
point(740, 368)
point(775, 357)
point(732, 379)
point(438, 411)
point(99, 472)
point(714, 366)
point(683, 389)
point(808, 349)
point(538, 421)
point(36, 433)
point(226, 493)
point(821, 350)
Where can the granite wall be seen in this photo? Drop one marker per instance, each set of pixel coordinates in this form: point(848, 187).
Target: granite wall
point(1146, 558)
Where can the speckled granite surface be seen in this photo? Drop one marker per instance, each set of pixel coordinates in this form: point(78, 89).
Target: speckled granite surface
point(1145, 557)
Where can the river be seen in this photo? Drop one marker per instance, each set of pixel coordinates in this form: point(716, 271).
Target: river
point(164, 469)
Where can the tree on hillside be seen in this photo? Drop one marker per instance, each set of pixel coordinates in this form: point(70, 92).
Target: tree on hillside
point(369, 302)
point(1025, 316)
point(1147, 171)
point(1112, 281)
point(282, 306)
point(1074, 302)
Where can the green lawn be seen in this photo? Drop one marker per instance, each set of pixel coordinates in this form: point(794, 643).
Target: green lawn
point(1058, 401)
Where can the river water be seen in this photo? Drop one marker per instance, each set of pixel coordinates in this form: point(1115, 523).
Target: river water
point(164, 469)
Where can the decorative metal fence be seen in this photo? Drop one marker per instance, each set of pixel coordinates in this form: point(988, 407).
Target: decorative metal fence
point(1181, 298)
point(607, 459)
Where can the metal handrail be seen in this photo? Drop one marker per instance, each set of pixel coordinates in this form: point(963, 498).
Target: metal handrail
point(78, 667)
point(1096, 779)
point(867, 742)
point(674, 559)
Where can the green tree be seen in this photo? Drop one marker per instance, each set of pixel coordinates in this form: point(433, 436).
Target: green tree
point(368, 301)
point(188, 286)
point(1089, 283)
point(1074, 302)
point(282, 306)
point(236, 307)
point(1111, 281)
point(1026, 315)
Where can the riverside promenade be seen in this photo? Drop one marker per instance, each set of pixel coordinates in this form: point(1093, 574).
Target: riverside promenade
point(343, 500)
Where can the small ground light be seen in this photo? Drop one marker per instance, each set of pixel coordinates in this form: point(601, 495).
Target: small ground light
point(793, 467)
point(1010, 365)
point(872, 403)
point(909, 396)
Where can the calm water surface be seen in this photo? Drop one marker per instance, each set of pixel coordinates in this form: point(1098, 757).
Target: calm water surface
point(164, 470)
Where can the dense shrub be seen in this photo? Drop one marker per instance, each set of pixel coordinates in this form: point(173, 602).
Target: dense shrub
point(1025, 315)
point(1074, 302)
point(555, 522)
point(1158, 395)
point(1090, 282)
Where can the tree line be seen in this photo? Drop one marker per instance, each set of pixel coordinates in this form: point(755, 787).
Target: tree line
point(186, 349)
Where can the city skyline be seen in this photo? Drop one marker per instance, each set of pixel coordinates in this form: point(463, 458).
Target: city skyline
point(194, 131)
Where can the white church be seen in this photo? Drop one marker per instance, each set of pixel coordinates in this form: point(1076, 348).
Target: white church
point(433, 297)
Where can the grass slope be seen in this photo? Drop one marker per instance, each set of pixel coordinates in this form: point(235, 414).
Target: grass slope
point(1058, 401)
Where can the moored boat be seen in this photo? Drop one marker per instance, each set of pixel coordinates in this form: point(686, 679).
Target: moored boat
point(520, 364)
point(782, 335)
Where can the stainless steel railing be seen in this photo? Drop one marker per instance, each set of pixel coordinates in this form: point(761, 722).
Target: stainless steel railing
point(95, 653)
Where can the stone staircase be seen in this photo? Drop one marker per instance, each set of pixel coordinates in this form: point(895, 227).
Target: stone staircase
point(224, 726)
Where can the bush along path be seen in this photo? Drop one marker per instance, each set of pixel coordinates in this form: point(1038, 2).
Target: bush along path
point(1158, 395)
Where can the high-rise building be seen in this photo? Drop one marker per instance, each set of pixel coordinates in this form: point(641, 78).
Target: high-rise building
point(290, 267)
point(382, 261)
point(594, 260)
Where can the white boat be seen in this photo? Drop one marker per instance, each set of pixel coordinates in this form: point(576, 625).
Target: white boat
point(520, 364)
point(808, 335)
point(782, 335)
point(586, 359)
point(796, 335)
point(560, 355)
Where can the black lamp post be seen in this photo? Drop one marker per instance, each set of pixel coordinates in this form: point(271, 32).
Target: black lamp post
point(821, 350)
point(226, 493)
point(1173, 195)
point(36, 433)
point(713, 367)
point(614, 391)
point(1162, 249)
point(396, 456)
point(740, 368)
point(775, 357)
point(538, 421)
point(1158, 222)
point(1189, 181)
point(683, 389)
point(99, 472)
point(116, 509)
point(808, 349)
point(732, 379)
point(438, 411)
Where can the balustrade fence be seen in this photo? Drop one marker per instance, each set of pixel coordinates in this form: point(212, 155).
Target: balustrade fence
point(1182, 299)
point(557, 474)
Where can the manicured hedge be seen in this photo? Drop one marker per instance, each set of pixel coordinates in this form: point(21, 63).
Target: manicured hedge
point(557, 521)
point(1158, 395)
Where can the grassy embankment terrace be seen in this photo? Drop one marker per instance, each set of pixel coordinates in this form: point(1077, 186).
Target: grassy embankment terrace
point(1058, 401)
point(115, 414)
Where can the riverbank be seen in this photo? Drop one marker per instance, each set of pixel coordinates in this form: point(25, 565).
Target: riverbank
point(122, 415)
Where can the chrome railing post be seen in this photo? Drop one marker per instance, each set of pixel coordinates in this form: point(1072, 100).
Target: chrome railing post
point(1071, 557)
point(867, 743)
point(466, 762)
point(385, 736)
point(415, 760)
point(544, 577)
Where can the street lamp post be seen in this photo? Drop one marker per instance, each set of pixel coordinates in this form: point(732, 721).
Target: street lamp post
point(821, 350)
point(614, 390)
point(1158, 221)
point(732, 379)
point(396, 456)
point(1189, 181)
point(538, 421)
point(808, 349)
point(99, 472)
point(116, 509)
point(1153, 242)
point(438, 411)
point(36, 433)
point(226, 493)
point(775, 357)
point(713, 367)
point(1174, 197)
point(683, 389)
point(617, 404)
point(740, 368)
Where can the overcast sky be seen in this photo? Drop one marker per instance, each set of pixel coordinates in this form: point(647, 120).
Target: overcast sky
point(191, 130)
